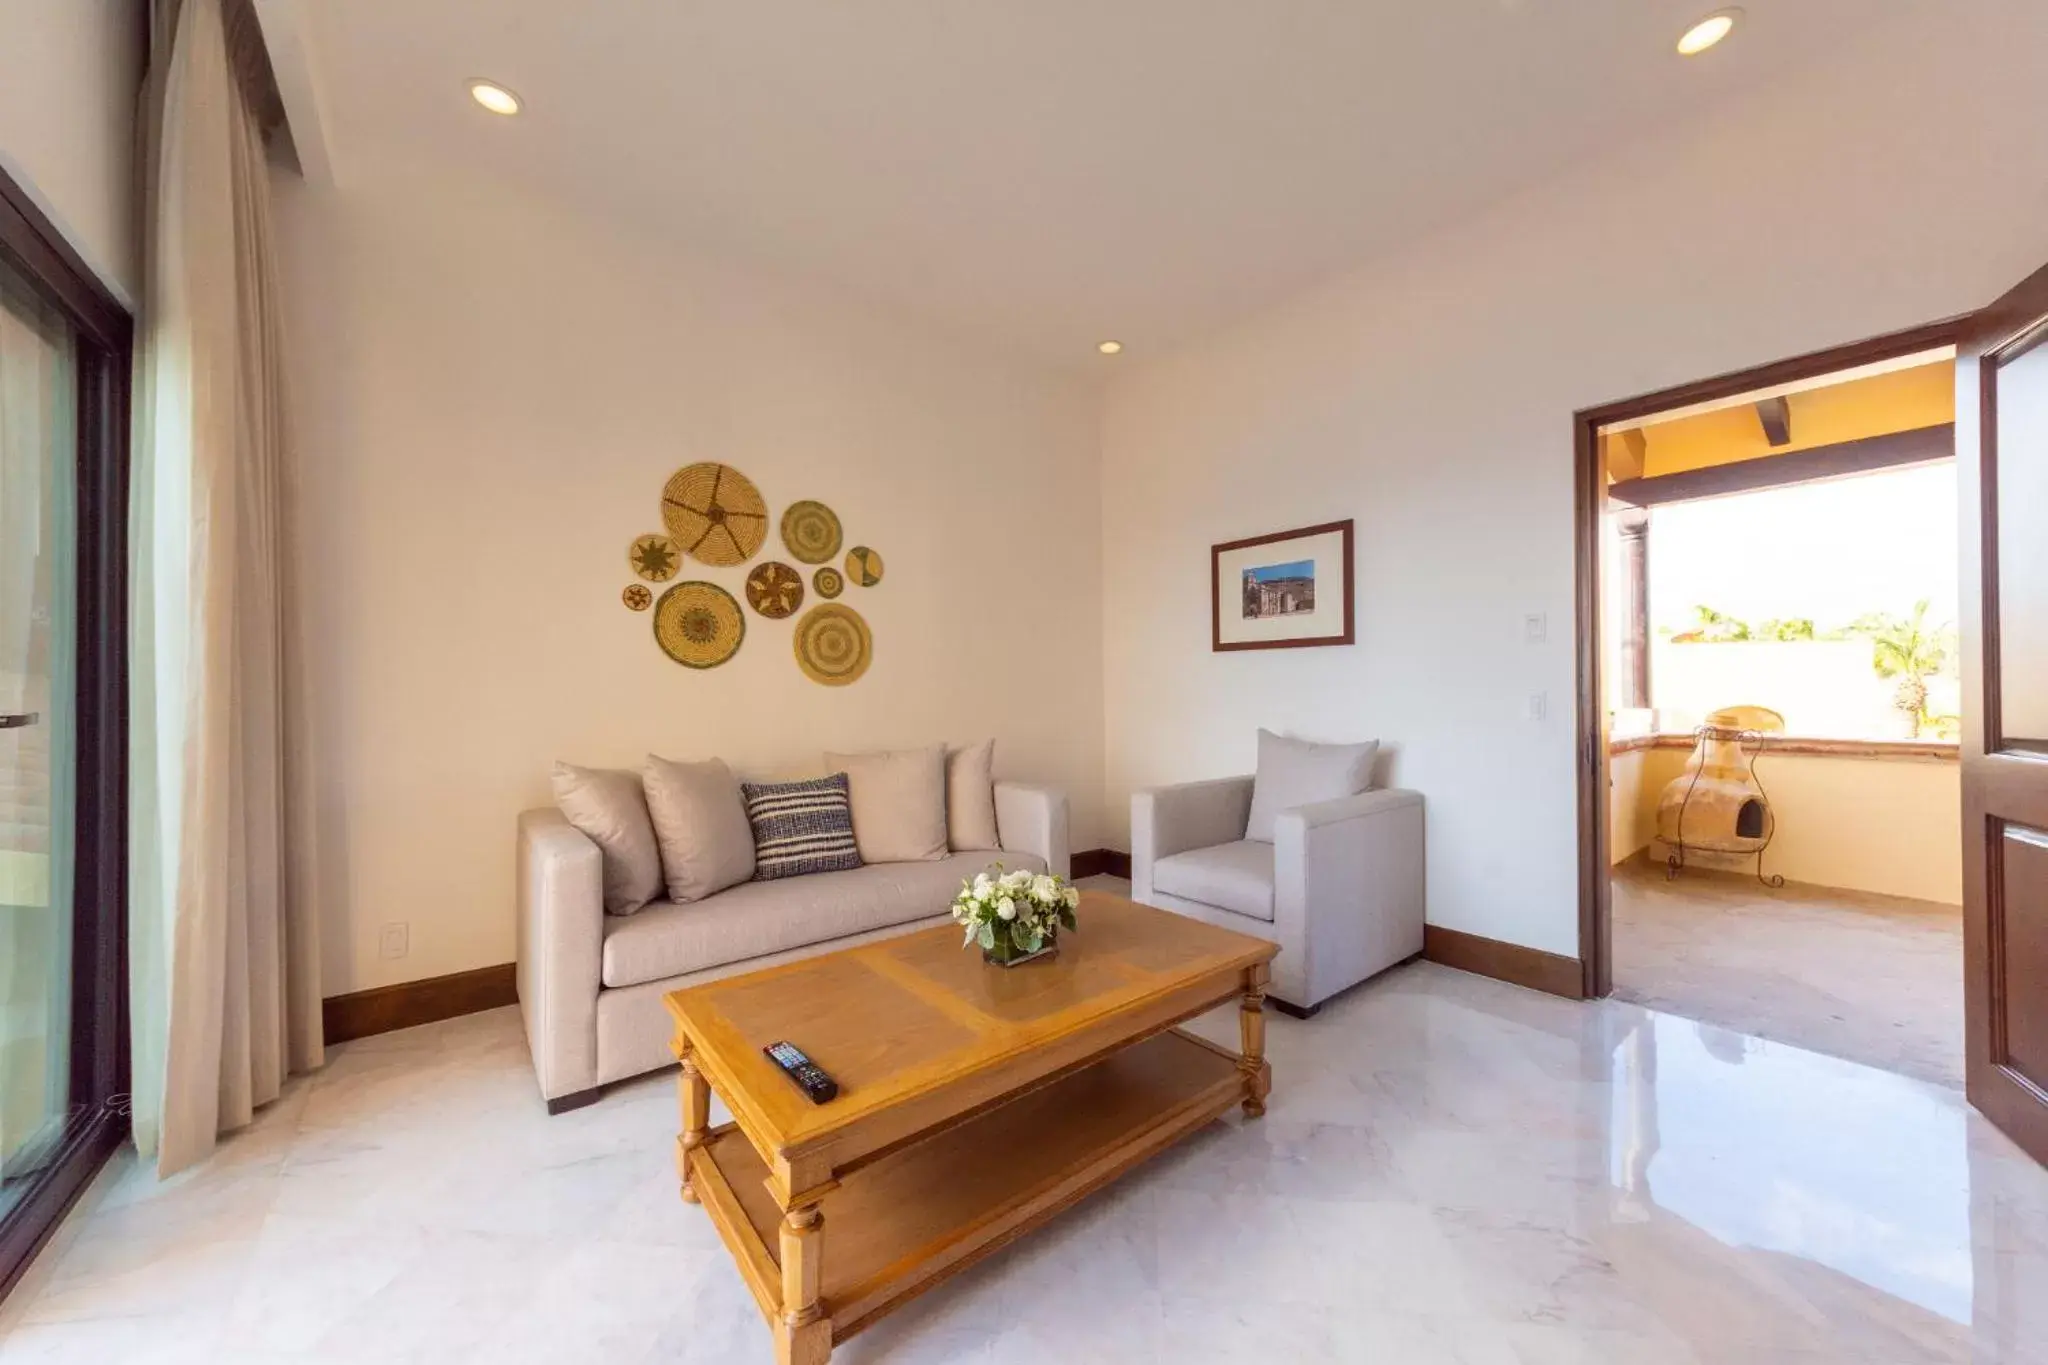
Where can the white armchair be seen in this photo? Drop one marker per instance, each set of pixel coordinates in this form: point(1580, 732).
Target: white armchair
point(1339, 888)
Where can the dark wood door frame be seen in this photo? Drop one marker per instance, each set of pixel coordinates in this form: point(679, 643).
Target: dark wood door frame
point(1589, 495)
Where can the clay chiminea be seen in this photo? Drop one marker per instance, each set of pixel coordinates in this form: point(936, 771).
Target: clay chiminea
point(1716, 805)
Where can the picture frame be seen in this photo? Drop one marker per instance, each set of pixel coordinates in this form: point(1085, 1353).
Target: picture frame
point(1276, 591)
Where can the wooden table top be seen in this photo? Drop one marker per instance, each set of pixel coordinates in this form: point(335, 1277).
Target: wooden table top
point(899, 1019)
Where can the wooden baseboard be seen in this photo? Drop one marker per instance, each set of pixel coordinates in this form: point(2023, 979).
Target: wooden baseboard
point(362, 1013)
point(1510, 962)
point(1097, 862)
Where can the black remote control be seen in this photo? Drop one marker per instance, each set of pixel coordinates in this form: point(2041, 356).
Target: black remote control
point(808, 1075)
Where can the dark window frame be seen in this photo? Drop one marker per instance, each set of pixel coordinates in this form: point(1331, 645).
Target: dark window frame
point(32, 247)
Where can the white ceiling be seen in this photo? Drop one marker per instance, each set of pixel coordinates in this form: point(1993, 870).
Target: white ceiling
point(1043, 173)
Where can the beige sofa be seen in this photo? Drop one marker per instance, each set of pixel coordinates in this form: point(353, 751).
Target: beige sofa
point(590, 984)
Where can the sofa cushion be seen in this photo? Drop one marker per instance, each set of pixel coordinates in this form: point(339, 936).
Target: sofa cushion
point(757, 918)
point(1297, 772)
point(800, 828)
point(899, 803)
point(700, 824)
point(610, 808)
point(1235, 876)
point(971, 797)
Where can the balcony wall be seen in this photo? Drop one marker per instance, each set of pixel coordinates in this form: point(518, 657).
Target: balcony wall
point(1883, 817)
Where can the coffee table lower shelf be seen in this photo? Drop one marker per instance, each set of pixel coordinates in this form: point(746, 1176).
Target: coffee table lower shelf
point(897, 1226)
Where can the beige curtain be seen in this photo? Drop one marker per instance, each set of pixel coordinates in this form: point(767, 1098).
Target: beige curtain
point(225, 958)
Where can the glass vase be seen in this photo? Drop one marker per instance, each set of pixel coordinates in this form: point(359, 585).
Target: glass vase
point(1007, 954)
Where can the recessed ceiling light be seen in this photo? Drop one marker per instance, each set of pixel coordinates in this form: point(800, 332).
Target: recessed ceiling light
point(1708, 31)
point(493, 97)
point(1110, 347)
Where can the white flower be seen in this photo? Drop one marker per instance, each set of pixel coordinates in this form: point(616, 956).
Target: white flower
point(1044, 889)
point(1073, 897)
point(1017, 880)
point(982, 885)
point(1006, 908)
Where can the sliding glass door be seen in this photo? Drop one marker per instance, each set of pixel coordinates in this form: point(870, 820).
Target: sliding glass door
point(38, 627)
point(64, 372)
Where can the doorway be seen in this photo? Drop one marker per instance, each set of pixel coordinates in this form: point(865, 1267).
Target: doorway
point(2001, 461)
point(1783, 714)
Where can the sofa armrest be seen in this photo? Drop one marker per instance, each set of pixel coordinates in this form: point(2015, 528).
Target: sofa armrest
point(1170, 820)
point(561, 946)
point(1033, 819)
point(1347, 889)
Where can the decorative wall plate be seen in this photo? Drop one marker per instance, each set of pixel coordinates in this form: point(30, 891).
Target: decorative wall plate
point(715, 513)
point(811, 531)
point(863, 566)
point(698, 624)
point(655, 558)
point(775, 590)
point(829, 582)
point(833, 645)
point(637, 597)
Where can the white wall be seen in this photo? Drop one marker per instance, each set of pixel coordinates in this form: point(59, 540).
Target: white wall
point(1430, 397)
point(70, 71)
point(491, 391)
point(1824, 689)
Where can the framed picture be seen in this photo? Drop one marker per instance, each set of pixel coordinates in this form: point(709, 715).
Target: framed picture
point(1290, 590)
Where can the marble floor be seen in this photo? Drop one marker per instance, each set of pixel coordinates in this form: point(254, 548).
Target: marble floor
point(1875, 979)
point(1452, 1170)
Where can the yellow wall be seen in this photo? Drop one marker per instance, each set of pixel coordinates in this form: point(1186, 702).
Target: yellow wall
point(1886, 825)
point(1631, 816)
point(1903, 400)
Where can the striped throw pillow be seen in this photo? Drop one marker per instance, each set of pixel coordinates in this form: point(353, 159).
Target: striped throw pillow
point(801, 827)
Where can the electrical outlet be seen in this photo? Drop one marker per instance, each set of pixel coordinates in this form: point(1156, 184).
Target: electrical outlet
point(1535, 628)
point(392, 942)
point(1538, 704)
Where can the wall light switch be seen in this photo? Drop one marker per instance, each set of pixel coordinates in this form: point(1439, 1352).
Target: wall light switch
point(1538, 704)
point(1535, 628)
point(392, 941)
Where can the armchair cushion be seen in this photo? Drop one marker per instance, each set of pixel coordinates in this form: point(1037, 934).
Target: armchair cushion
point(1236, 877)
point(1296, 772)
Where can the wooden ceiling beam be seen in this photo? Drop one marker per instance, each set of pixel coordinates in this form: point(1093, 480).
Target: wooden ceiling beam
point(1924, 445)
point(1776, 416)
point(1627, 453)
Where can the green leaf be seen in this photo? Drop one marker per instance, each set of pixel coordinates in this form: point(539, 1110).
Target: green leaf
point(1067, 918)
point(987, 936)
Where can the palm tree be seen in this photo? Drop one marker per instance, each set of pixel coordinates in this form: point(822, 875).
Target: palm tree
point(1712, 627)
point(1911, 651)
point(1791, 629)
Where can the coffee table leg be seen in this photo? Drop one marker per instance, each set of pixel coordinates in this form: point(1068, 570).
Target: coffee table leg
point(1251, 1023)
point(696, 1097)
point(803, 1336)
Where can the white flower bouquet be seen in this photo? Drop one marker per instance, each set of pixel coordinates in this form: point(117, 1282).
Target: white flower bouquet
point(1015, 915)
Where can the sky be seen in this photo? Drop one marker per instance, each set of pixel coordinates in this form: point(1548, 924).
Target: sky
point(1830, 551)
point(1300, 568)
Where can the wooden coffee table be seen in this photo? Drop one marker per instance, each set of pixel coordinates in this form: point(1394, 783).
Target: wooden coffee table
point(975, 1102)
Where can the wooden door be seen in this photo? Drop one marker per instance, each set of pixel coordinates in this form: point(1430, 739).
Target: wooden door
point(2002, 469)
